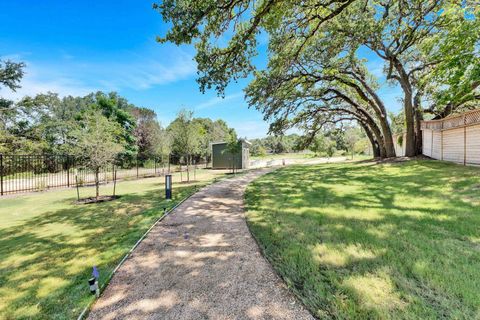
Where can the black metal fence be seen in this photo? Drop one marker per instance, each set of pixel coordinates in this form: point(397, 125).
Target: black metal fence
point(29, 173)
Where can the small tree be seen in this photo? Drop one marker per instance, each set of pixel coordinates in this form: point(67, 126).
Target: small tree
point(96, 142)
point(163, 145)
point(352, 136)
point(233, 148)
point(362, 146)
point(323, 145)
point(185, 135)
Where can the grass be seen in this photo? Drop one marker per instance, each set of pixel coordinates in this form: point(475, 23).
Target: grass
point(306, 156)
point(366, 241)
point(284, 156)
point(48, 245)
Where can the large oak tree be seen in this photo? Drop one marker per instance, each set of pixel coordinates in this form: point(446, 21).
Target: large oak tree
point(407, 35)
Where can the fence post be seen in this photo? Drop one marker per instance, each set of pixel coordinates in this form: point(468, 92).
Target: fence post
point(155, 165)
point(137, 166)
point(169, 156)
point(1, 174)
point(441, 139)
point(441, 144)
point(464, 139)
point(68, 172)
point(431, 146)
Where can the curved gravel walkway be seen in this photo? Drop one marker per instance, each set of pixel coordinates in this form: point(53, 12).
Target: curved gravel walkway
point(200, 262)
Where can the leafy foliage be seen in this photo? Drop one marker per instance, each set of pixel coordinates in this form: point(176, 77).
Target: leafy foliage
point(275, 144)
point(147, 133)
point(185, 134)
point(226, 33)
point(322, 145)
point(96, 142)
point(315, 72)
point(11, 74)
point(453, 85)
point(211, 131)
point(192, 137)
point(233, 148)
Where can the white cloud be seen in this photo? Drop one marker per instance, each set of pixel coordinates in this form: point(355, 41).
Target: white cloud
point(218, 101)
point(70, 76)
point(375, 67)
point(251, 129)
point(34, 82)
point(146, 73)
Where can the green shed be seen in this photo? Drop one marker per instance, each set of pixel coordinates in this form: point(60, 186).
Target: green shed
point(222, 159)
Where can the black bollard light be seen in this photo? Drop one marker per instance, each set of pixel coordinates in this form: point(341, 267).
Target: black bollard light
point(168, 187)
point(93, 284)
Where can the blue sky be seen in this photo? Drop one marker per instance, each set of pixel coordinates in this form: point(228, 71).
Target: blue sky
point(74, 48)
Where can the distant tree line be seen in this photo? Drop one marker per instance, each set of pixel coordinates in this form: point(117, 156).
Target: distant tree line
point(50, 124)
point(99, 128)
point(276, 144)
point(342, 138)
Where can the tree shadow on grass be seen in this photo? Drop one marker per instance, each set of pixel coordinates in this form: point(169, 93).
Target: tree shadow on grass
point(216, 273)
point(45, 262)
point(362, 241)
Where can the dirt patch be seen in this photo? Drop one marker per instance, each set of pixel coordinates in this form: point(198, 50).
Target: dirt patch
point(91, 200)
point(187, 182)
point(394, 160)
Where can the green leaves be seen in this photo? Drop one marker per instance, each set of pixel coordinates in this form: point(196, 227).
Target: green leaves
point(455, 79)
point(185, 135)
point(11, 74)
point(225, 32)
point(315, 72)
point(96, 139)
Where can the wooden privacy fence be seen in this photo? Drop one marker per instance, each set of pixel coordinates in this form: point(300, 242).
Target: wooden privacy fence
point(455, 139)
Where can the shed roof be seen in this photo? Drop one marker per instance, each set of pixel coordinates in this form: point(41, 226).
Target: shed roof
point(224, 142)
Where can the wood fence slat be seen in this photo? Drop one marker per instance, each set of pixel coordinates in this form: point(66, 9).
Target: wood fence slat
point(455, 138)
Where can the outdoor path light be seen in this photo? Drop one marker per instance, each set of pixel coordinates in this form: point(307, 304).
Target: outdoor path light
point(93, 282)
point(168, 187)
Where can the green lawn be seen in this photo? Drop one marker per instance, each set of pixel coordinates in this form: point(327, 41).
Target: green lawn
point(363, 241)
point(284, 156)
point(48, 245)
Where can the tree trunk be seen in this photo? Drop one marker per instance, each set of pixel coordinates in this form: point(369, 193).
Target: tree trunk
point(418, 125)
point(376, 150)
point(380, 140)
point(381, 115)
point(97, 183)
point(388, 138)
point(385, 140)
point(410, 124)
point(408, 108)
point(188, 168)
point(374, 135)
point(374, 143)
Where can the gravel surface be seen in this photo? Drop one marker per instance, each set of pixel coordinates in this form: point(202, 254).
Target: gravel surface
point(200, 262)
point(326, 160)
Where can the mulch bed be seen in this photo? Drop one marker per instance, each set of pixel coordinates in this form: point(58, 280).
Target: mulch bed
point(187, 182)
point(395, 160)
point(96, 200)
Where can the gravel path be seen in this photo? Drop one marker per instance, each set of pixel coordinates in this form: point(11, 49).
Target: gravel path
point(200, 262)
